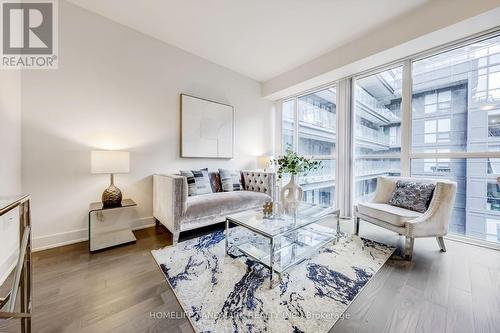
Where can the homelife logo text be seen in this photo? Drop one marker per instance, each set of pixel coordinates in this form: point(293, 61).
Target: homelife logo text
point(29, 34)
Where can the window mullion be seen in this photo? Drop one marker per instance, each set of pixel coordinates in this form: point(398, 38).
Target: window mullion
point(296, 130)
point(406, 119)
point(278, 116)
point(343, 182)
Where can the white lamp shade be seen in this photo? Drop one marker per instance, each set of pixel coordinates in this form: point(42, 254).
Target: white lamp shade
point(106, 161)
point(264, 161)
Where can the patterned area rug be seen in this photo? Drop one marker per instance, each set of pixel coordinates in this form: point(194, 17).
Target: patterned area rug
point(222, 293)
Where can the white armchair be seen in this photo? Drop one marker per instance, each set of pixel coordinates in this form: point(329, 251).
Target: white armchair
point(432, 223)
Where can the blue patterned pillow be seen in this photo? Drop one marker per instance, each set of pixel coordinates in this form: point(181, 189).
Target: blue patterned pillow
point(198, 181)
point(412, 195)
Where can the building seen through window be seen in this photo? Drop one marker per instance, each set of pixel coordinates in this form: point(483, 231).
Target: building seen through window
point(455, 108)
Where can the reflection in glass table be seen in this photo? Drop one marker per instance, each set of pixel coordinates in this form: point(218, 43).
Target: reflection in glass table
point(282, 242)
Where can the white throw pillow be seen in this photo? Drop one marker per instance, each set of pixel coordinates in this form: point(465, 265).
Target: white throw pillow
point(231, 180)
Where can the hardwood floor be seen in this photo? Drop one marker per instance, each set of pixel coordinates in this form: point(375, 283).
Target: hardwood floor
point(456, 291)
point(120, 289)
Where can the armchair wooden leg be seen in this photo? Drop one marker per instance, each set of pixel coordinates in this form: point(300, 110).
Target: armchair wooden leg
point(356, 225)
point(440, 241)
point(409, 247)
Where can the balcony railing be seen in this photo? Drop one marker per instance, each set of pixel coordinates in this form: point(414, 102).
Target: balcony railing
point(366, 133)
point(375, 106)
point(363, 168)
point(317, 116)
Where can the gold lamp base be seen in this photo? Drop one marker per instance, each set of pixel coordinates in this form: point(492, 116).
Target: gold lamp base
point(112, 196)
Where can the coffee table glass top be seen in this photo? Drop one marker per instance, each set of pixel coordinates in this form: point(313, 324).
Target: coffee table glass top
point(289, 249)
point(282, 242)
point(275, 226)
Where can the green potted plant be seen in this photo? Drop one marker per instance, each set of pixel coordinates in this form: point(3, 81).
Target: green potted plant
point(293, 164)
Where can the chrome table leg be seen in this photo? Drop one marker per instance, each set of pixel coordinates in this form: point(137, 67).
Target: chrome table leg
point(227, 236)
point(271, 261)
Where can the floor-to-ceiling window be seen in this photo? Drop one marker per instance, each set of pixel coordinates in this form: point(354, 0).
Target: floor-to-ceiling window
point(288, 124)
point(377, 130)
point(309, 127)
point(455, 122)
point(448, 104)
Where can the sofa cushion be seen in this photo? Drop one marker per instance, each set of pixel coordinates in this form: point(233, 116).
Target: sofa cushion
point(412, 195)
point(216, 204)
point(198, 181)
point(391, 214)
point(230, 180)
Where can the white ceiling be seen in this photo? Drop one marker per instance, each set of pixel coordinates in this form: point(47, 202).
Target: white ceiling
point(258, 38)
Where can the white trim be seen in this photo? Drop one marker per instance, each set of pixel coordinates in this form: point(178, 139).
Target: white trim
point(278, 135)
point(406, 113)
point(59, 239)
point(343, 147)
point(474, 38)
point(378, 156)
point(473, 241)
point(46, 242)
point(482, 154)
point(379, 69)
point(296, 117)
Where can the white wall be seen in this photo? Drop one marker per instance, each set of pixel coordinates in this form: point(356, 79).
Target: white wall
point(118, 89)
point(10, 164)
point(10, 132)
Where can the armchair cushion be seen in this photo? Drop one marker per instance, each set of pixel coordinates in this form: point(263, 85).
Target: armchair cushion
point(391, 214)
point(412, 195)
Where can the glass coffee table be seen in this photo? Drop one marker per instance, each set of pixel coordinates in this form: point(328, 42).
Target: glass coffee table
point(285, 240)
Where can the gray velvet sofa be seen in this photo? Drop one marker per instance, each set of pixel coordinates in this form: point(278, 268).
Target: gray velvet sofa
point(179, 212)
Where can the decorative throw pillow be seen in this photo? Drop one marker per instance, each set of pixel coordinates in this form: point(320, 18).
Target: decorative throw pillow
point(215, 182)
point(231, 180)
point(198, 181)
point(412, 195)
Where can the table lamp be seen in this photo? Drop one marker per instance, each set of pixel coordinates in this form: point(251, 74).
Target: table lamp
point(264, 162)
point(107, 161)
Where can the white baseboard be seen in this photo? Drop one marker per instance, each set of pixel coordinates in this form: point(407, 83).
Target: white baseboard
point(80, 235)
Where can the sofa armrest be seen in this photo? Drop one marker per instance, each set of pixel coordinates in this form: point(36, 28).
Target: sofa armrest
point(170, 195)
point(259, 181)
point(435, 220)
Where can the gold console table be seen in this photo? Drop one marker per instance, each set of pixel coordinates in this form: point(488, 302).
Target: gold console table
point(22, 280)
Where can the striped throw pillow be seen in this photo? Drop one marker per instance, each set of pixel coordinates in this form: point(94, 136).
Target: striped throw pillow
point(198, 181)
point(231, 180)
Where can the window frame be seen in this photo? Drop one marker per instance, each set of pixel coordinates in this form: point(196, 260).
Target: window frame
point(389, 156)
point(345, 127)
point(295, 147)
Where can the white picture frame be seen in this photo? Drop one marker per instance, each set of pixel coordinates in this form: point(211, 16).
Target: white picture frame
point(207, 128)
